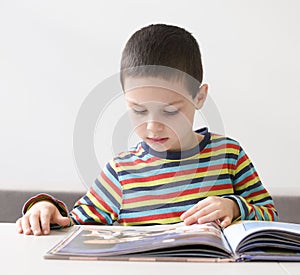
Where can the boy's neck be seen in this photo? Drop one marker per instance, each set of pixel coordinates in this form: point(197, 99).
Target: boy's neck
point(202, 136)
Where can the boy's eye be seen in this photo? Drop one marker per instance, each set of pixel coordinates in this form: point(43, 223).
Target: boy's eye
point(171, 111)
point(139, 112)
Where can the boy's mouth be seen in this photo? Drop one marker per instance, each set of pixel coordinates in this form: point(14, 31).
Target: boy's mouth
point(157, 140)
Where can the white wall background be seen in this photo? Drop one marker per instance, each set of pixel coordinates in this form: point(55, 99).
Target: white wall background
point(53, 53)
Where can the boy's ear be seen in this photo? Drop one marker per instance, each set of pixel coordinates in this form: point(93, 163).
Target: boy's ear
point(201, 96)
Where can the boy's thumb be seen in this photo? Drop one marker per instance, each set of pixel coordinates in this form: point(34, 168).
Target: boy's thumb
point(60, 220)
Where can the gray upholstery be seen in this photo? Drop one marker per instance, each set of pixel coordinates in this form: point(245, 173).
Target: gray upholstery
point(11, 202)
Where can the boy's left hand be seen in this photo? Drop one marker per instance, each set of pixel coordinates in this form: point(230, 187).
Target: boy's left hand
point(212, 209)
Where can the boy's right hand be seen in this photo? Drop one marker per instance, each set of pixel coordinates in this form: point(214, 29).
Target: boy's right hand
point(38, 218)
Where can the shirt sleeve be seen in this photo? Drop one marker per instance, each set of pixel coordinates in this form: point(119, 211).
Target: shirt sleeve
point(253, 199)
point(102, 203)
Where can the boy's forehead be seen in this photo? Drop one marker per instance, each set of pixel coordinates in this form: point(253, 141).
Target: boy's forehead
point(156, 83)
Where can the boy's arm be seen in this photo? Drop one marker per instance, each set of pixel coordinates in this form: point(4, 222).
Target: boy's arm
point(253, 199)
point(102, 203)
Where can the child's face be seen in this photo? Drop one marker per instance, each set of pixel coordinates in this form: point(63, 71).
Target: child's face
point(162, 117)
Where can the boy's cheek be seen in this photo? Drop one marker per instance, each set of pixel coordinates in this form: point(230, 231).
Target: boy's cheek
point(137, 121)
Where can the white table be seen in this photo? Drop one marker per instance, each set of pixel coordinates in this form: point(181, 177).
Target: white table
point(21, 254)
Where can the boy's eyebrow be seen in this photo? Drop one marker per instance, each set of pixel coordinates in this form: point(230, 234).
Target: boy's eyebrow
point(175, 102)
point(171, 103)
point(133, 103)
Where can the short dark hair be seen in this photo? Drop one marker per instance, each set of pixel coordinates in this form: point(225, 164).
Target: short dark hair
point(164, 46)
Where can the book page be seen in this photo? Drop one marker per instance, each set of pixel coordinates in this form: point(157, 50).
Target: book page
point(237, 232)
point(156, 240)
point(234, 234)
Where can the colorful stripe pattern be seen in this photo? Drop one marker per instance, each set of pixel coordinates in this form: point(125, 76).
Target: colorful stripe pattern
point(140, 187)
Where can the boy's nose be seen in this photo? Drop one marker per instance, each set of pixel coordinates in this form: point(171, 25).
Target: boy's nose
point(153, 125)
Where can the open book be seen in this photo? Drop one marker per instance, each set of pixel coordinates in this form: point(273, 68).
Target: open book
point(241, 241)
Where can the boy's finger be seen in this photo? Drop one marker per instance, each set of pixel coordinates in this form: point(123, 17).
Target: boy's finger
point(190, 220)
point(35, 223)
point(225, 222)
point(19, 226)
point(25, 225)
point(45, 222)
point(197, 207)
point(193, 218)
point(215, 215)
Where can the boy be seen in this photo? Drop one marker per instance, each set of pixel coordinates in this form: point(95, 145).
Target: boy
point(174, 174)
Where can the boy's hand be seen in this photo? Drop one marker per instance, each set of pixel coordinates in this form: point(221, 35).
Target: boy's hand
point(38, 218)
point(211, 209)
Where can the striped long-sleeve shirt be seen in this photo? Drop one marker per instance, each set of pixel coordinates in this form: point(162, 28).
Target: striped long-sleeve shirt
point(143, 186)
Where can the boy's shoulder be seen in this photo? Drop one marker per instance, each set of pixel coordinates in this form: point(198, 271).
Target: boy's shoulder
point(216, 138)
point(220, 137)
point(219, 140)
point(135, 151)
